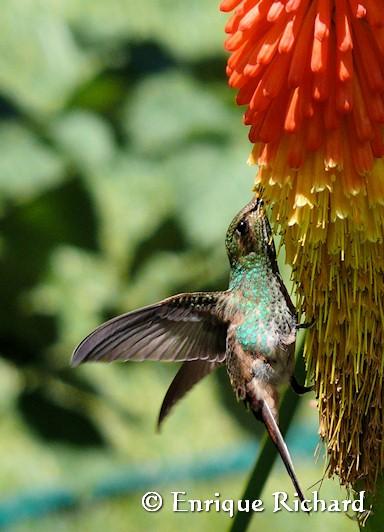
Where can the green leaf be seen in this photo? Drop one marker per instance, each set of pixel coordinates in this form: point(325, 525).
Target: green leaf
point(27, 166)
point(189, 29)
point(212, 185)
point(55, 422)
point(85, 138)
point(168, 109)
point(132, 197)
point(40, 61)
point(78, 287)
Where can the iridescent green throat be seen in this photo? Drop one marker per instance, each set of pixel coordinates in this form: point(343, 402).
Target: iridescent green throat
point(253, 291)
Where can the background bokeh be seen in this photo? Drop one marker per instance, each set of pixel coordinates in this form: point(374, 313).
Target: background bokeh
point(122, 161)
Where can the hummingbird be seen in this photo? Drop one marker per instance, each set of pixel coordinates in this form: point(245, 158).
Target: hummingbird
point(250, 327)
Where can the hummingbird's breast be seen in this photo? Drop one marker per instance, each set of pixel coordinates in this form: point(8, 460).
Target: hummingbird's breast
point(265, 326)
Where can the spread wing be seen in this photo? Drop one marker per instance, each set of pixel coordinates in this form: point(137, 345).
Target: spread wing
point(182, 327)
point(190, 373)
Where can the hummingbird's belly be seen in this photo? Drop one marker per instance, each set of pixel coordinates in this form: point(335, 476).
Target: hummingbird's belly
point(272, 358)
point(253, 336)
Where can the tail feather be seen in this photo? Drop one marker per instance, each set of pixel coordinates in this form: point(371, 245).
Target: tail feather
point(190, 373)
point(274, 432)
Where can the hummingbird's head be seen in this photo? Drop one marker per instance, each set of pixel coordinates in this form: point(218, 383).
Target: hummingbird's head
point(250, 232)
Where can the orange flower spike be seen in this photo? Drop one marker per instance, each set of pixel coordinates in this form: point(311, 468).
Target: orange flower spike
point(312, 75)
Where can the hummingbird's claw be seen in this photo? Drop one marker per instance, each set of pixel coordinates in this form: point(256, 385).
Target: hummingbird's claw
point(299, 388)
point(306, 325)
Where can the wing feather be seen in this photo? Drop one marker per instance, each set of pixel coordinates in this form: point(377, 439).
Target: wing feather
point(180, 328)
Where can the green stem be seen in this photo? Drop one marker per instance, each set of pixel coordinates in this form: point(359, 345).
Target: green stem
point(268, 452)
point(375, 521)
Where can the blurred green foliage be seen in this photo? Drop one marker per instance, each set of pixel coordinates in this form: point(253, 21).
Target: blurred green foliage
point(122, 161)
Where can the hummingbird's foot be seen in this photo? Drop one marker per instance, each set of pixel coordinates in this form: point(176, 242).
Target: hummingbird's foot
point(299, 388)
point(306, 325)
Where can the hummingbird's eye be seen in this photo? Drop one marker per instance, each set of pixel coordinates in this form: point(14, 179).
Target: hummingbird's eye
point(242, 228)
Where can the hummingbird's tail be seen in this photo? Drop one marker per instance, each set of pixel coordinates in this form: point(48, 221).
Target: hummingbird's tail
point(265, 415)
point(190, 373)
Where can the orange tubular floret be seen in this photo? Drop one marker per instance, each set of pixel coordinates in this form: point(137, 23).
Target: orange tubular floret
point(343, 28)
point(292, 30)
point(237, 80)
point(274, 76)
point(361, 121)
point(373, 101)
point(314, 131)
point(275, 11)
point(357, 9)
point(274, 120)
point(233, 23)
point(299, 65)
point(369, 58)
point(270, 43)
point(321, 86)
point(236, 57)
point(375, 13)
point(319, 56)
point(377, 142)
point(344, 97)
point(253, 134)
point(255, 15)
point(362, 157)
point(262, 52)
point(344, 65)
point(295, 156)
point(246, 92)
point(293, 5)
point(294, 113)
point(322, 20)
point(234, 41)
point(240, 58)
point(378, 35)
point(259, 100)
point(228, 5)
point(333, 149)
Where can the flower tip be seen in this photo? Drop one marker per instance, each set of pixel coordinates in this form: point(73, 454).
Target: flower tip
point(228, 5)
